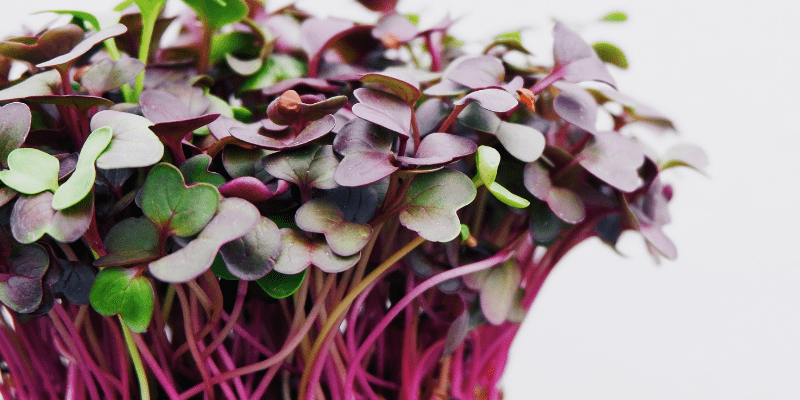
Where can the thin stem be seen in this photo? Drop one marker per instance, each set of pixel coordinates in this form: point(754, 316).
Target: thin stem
point(144, 388)
point(451, 118)
point(162, 378)
point(548, 80)
point(415, 130)
point(237, 310)
point(426, 363)
point(190, 339)
point(322, 342)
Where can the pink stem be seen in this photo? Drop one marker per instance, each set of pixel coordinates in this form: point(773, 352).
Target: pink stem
point(548, 80)
point(162, 378)
point(426, 363)
point(456, 365)
point(82, 356)
point(429, 283)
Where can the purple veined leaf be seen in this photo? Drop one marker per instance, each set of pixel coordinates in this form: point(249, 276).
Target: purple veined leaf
point(496, 100)
point(53, 43)
point(430, 205)
point(398, 82)
point(252, 189)
point(133, 144)
point(85, 45)
point(41, 84)
point(382, 6)
point(319, 85)
point(521, 141)
point(565, 204)
point(687, 155)
point(367, 151)
point(15, 123)
point(309, 167)
point(614, 159)
point(397, 25)
point(253, 255)
point(480, 119)
point(478, 72)
point(384, 109)
point(21, 289)
point(107, 74)
point(298, 252)
point(77, 101)
point(161, 106)
point(576, 59)
point(313, 131)
point(33, 216)
point(323, 216)
point(576, 106)
point(498, 292)
point(358, 204)
point(440, 148)
point(131, 241)
point(234, 218)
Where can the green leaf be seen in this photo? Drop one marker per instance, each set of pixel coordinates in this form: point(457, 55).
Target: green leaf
point(195, 170)
point(124, 292)
point(133, 144)
point(487, 160)
point(172, 206)
point(464, 232)
point(430, 205)
point(298, 252)
point(233, 220)
point(616, 16)
point(15, 122)
point(508, 198)
point(611, 54)
point(217, 13)
point(498, 292)
point(323, 216)
point(514, 35)
point(82, 15)
point(81, 181)
point(31, 171)
point(275, 69)
point(130, 241)
point(253, 255)
point(309, 166)
point(279, 286)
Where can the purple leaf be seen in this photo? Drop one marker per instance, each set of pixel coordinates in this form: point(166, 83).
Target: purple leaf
point(33, 216)
point(85, 45)
point(400, 83)
point(15, 122)
point(358, 204)
point(161, 106)
point(172, 133)
point(323, 216)
point(309, 167)
point(440, 148)
point(234, 218)
point(367, 152)
point(383, 6)
point(311, 132)
point(576, 59)
point(397, 25)
point(53, 43)
point(496, 100)
point(384, 109)
point(430, 115)
point(80, 102)
point(320, 85)
point(21, 289)
point(298, 252)
point(478, 72)
point(576, 106)
point(293, 109)
point(430, 205)
point(565, 204)
point(192, 97)
point(316, 32)
point(614, 159)
point(108, 75)
point(253, 255)
point(252, 189)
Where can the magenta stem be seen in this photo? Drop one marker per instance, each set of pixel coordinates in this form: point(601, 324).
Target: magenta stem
point(426, 363)
point(456, 364)
point(162, 378)
point(82, 356)
point(548, 80)
point(451, 118)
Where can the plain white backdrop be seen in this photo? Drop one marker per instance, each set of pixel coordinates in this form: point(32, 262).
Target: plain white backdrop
point(723, 321)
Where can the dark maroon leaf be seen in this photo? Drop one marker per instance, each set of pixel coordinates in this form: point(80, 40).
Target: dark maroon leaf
point(398, 82)
point(367, 151)
point(311, 132)
point(80, 102)
point(320, 85)
point(53, 43)
point(21, 286)
point(172, 133)
point(85, 45)
point(384, 109)
point(76, 281)
point(253, 255)
point(358, 204)
point(384, 6)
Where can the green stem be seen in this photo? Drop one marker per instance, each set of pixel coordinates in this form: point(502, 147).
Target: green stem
point(148, 25)
point(144, 388)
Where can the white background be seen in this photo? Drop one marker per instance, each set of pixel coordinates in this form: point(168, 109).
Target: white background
point(723, 321)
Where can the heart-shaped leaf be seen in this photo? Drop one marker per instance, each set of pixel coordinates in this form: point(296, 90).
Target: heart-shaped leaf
point(403, 85)
point(84, 46)
point(234, 218)
point(33, 216)
point(521, 141)
point(172, 206)
point(309, 167)
point(384, 109)
point(81, 181)
point(440, 148)
point(124, 292)
point(195, 170)
point(216, 13)
point(31, 171)
point(576, 106)
point(566, 205)
point(253, 255)
point(53, 43)
point(15, 122)
point(492, 99)
point(614, 159)
point(498, 292)
point(279, 286)
point(298, 252)
point(323, 216)
point(367, 150)
point(75, 282)
point(478, 72)
point(430, 205)
point(130, 241)
point(107, 74)
point(133, 144)
point(21, 286)
point(254, 190)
